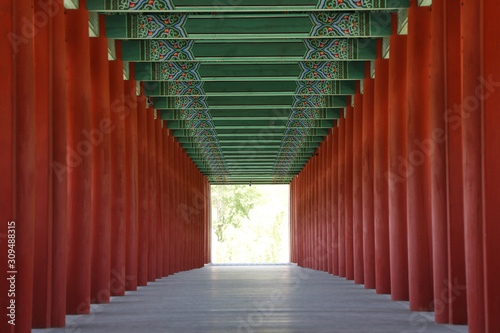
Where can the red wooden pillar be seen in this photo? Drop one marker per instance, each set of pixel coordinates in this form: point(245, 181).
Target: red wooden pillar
point(18, 161)
point(166, 203)
point(159, 196)
point(143, 193)
point(368, 160)
point(322, 198)
point(490, 52)
point(59, 179)
point(381, 171)
point(335, 198)
point(42, 284)
point(447, 194)
point(438, 163)
point(177, 191)
point(117, 97)
point(79, 161)
point(397, 166)
point(173, 198)
point(305, 216)
point(7, 163)
point(319, 207)
point(328, 202)
point(348, 189)
point(480, 100)
point(456, 253)
point(310, 216)
point(321, 211)
point(314, 213)
point(341, 195)
point(209, 222)
point(357, 183)
point(151, 137)
point(131, 183)
point(418, 159)
point(472, 167)
point(101, 168)
point(325, 195)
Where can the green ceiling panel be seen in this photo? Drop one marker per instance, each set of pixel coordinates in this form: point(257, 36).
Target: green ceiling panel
point(259, 51)
point(185, 26)
point(241, 5)
point(249, 89)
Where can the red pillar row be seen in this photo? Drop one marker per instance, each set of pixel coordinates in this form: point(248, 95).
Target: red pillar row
point(73, 184)
point(429, 205)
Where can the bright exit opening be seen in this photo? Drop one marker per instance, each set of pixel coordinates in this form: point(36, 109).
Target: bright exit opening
point(250, 224)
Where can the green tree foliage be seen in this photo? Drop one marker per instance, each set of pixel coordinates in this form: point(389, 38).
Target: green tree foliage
point(250, 230)
point(233, 204)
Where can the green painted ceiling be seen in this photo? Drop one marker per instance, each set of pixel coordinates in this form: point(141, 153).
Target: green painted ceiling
point(250, 88)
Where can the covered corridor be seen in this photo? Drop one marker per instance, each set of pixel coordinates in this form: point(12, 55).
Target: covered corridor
point(382, 116)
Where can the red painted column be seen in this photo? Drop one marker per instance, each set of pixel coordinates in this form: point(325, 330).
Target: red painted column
point(328, 202)
point(314, 206)
point(79, 161)
point(59, 179)
point(143, 193)
point(320, 244)
point(306, 257)
point(151, 137)
point(457, 293)
point(18, 161)
point(7, 163)
point(172, 178)
point(481, 206)
point(322, 197)
point(341, 195)
point(381, 171)
point(321, 211)
point(166, 203)
point(310, 217)
point(177, 188)
point(491, 161)
point(491, 180)
point(101, 168)
point(42, 284)
point(438, 163)
point(397, 166)
point(348, 189)
point(209, 222)
point(131, 183)
point(368, 160)
point(159, 197)
point(446, 134)
point(335, 198)
point(357, 183)
point(472, 168)
point(418, 159)
point(117, 98)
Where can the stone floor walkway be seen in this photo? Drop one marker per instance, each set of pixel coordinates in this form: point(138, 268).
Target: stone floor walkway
point(253, 299)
